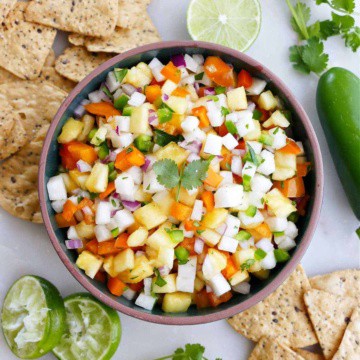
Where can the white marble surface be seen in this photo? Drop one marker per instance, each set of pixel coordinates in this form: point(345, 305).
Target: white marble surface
point(25, 248)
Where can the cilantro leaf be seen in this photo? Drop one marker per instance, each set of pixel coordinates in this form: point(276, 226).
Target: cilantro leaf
point(296, 58)
point(319, 2)
point(345, 5)
point(314, 57)
point(343, 22)
point(352, 39)
point(167, 173)
point(328, 28)
point(300, 17)
point(194, 351)
point(194, 174)
point(314, 30)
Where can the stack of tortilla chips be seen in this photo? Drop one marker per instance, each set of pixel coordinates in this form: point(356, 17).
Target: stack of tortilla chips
point(33, 83)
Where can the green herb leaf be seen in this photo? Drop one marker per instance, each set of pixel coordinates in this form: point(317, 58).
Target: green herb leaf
point(199, 76)
point(343, 22)
point(296, 59)
point(328, 28)
point(247, 264)
point(301, 16)
point(358, 232)
point(352, 39)
point(194, 174)
point(224, 111)
point(343, 5)
point(159, 280)
point(167, 173)
point(182, 255)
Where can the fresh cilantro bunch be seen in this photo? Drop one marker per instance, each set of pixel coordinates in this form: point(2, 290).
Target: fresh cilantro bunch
point(189, 352)
point(309, 56)
point(189, 177)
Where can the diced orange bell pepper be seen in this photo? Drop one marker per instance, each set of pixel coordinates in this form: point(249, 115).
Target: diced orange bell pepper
point(121, 241)
point(129, 157)
point(201, 299)
point(213, 179)
point(116, 286)
point(292, 188)
point(110, 188)
point(63, 223)
point(222, 130)
point(189, 244)
point(92, 246)
point(261, 231)
point(102, 109)
point(244, 79)
point(67, 161)
point(180, 211)
point(208, 199)
point(180, 92)
point(303, 169)
point(107, 248)
point(201, 113)
point(291, 147)
point(100, 276)
point(217, 300)
point(218, 71)
point(171, 72)
point(152, 93)
point(230, 269)
point(81, 151)
point(69, 210)
point(189, 225)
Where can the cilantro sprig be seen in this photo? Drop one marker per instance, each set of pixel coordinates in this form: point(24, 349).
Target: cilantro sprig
point(189, 177)
point(309, 56)
point(189, 352)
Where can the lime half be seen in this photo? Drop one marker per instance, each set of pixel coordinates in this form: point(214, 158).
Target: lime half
point(93, 330)
point(232, 23)
point(33, 317)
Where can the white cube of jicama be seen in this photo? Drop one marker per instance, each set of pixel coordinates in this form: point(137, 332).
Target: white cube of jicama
point(111, 82)
point(103, 212)
point(168, 87)
point(219, 285)
point(230, 195)
point(196, 135)
point(245, 122)
point(257, 86)
point(276, 224)
point(287, 244)
point(249, 169)
point(190, 123)
point(197, 210)
point(233, 225)
point(256, 198)
point(136, 99)
point(166, 256)
point(72, 233)
point(184, 73)
point(213, 144)
point(147, 286)
point(236, 165)
point(191, 64)
point(261, 183)
point(124, 218)
point(209, 270)
point(229, 141)
point(291, 230)
point(58, 205)
point(123, 123)
point(267, 167)
point(190, 80)
point(279, 137)
point(56, 188)
point(255, 145)
point(102, 233)
point(188, 270)
point(236, 99)
point(227, 178)
point(136, 173)
point(199, 59)
point(233, 117)
point(265, 244)
point(129, 294)
point(125, 186)
point(123, 140)
point(249, 221)
point(145, 301)
point(269, 261)
point(156, 71)
point(155, 62)
point(214, 114)
point(185, 284)
point(221, 101)
point(150, 183)
point(227, 243)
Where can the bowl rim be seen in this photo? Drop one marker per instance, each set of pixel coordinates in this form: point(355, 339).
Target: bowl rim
point(283, 274)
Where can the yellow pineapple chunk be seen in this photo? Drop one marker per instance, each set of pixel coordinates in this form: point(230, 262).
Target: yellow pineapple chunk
point(174, 152)
point(176, 302)
point(169, 287)
point(125, 260)
point(97, 182)
point(89, 262)
point(150, 215)
point(70, 131)
point(138, 237)
point(142, 269)
point(85, 231)
point(214, 218)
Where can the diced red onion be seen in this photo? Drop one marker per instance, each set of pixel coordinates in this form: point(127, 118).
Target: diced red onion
point(242, 288)
point(110, 158)
point(146, 165)
point(139, 90)
point(165, 97)
point(219, 157)
point(178, 60)
point(115, 195)
point(117, 130)
point(131, 205)
point(221, 229)
point(79, 111)
point(199, 246)
point(164, 270)
point(209, 91)
point(197, 87)
point(128, 89)
point(229, 88)
point(193, 146)
point(83, 166)
point(74, 244)
point(193, 157)
point(153, 118)
point(113, 212)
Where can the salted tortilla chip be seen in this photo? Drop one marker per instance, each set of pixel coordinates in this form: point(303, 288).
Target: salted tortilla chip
point(49, 74)
point(50, 60)
point(282, 314)
point(131, 12)
point(329, 314)
point(19, 178)
point(308, 355)
point(12, 132)
point(5, 7)
point(271, 349)
point(77, 39)
point(90, 17)
point(343, 283)
point(126, 39)
point(350, 344)
point(24, 46)
point(7, 76)
point(76, 62)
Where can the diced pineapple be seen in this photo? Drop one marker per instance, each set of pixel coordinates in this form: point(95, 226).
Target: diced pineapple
point(138, 75)
point(142, 269)
point(174, 152)
point(88, 122)
point(160, 238)
point(70, 131)
point(168, 87)
point(242, 255)
point(214, 218)
point(177, 104)
point(277, 118)
point(236, 99)
point(267, 100)
point(70, 184)
point(138, 237)
point(281, 174)
point(164, 199)
point(89, 262)
point(99, 136)
point(125, 260)
point(199, 284)
point(139, 123)
point(141, 195)
point(133, 227)
point(150, 215)
point(262, 274)
point(145, 69)
point(280, 205)
point(166, 257)
point(211, 237)
point(109, 266)
point(254, 134)
point(193, 94)
point(85, 231)
point(285, 166)
point(97, 182)
point(186, 198)
point(176, 302)
point(239, 277)
point(169, 287)
point(218, 259)
point(79, 178)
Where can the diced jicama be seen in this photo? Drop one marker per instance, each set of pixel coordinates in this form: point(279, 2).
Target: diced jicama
point(256, 198)
point(186, 275)
point(287, 243)
point(291, 230)
point(236, 165)
point(214, 114)
point(213, 144)
point(146, 301)
point(255, 145)
point(111, 82)
point(150, 183)
point(257, 86)
point(102, 233)
point(269, 261)
point(219, 284)
point(261, 183)
point(72, 233)
point(233, 225)
point(190, 123)
point(155, 62)
point(58, 205)
point(129, 294)
point(236, 99)
point(265, 244)
point(196, 135)
point(56, 188)
point(227, 178)
point(137, 99)
point(229, 141)
point(267, 101)
point(199, 59)
point(230, 195)
point(209, 270)
point(276, 224)
point(279, 138)
point(136, 173)
point(228, 243)
point(124, 218)
point(249, 169)
point(249, 222)
point(125, 187)
point(245, 122)
point(103, 212)
point(267, 167)
point(197, 210)
point(156, 71)
point(191, 64)
point(166, 257)
point(168, 87)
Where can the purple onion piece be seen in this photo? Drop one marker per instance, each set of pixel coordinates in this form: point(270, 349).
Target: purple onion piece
point(178, 60)
point(209, 91)
point(131, 205)
point(193, 146)
point(146, 165)
point(73, 244)
point(165, 97)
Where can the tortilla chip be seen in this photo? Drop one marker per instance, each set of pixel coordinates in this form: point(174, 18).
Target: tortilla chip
point(49, 74)
point(271, 349)
point(50, 60)
point(130, 12)
point(282, 314)
point(343, 283)
point(126, 39)
point(77, 39)
point(330, 315)
point(6, 76)
point(76, 62)
point(350, 345)
point(19, 177)
point(90, 17)
point(308, 355)
point(12, 132)
point(24, 46)
point(5, 7)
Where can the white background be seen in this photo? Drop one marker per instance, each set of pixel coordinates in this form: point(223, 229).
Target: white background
point(26, 249)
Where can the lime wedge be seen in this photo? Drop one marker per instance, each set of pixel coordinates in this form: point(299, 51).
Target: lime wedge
point(93, 330)
point(33, 317)
point(232, 23)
